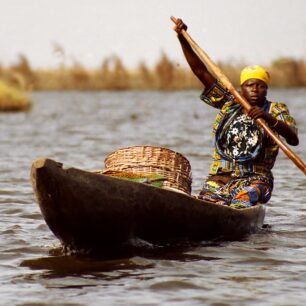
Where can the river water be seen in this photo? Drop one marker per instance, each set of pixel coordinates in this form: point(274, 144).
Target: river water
point(79, 130)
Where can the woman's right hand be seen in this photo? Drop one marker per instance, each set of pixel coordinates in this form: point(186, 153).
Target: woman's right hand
point(180, 25)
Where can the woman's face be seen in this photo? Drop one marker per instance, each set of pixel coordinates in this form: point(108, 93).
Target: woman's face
point(255, 91)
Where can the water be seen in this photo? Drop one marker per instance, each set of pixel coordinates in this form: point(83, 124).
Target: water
point(80, 129)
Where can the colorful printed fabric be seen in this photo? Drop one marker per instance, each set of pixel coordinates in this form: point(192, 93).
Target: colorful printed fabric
point(238, 192)
point(257, 151)
point(240, 138)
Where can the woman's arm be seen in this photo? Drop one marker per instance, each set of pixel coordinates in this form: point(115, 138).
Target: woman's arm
point(195, 63)
point(278, 126)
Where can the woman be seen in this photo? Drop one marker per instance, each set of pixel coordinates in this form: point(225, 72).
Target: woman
point(244, 155)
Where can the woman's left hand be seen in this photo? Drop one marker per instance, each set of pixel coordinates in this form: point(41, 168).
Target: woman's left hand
point(256, 112)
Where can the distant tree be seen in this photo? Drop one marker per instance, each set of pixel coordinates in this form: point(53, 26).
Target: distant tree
point(146, 77)
point(114, 75)
point(22, 73)
point(165, 71)
point(80, 77)
point(121, 78)
point(287, 72)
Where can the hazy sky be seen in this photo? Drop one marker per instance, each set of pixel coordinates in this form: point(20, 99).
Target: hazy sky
point(255, 31)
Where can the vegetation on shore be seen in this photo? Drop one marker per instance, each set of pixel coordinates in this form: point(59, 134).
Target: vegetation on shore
point(113, 75)
point(13, 99)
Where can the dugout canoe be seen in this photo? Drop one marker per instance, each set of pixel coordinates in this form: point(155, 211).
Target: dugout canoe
point(90, 211)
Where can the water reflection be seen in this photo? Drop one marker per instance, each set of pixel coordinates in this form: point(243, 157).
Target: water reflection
point(136, 258)
point(60, 266)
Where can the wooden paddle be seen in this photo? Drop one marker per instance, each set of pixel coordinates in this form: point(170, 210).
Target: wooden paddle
point(242, 101)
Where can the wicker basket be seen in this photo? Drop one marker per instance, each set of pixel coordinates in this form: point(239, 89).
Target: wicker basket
point(173, 166)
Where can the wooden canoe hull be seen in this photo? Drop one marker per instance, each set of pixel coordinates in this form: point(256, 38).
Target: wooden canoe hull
point(94, 212)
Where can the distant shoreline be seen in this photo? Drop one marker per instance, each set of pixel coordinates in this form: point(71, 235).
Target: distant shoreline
point(113, 75)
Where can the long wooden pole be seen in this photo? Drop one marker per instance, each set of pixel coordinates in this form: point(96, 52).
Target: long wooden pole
point(242, 101)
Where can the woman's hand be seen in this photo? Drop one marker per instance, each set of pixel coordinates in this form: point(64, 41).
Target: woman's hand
point(279, 126)
point(256, 112)
point(180, 25)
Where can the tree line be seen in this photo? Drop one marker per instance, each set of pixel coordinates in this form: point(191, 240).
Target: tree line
point(166, 74)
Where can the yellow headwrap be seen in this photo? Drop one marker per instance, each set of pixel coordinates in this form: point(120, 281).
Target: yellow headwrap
point(254, 72)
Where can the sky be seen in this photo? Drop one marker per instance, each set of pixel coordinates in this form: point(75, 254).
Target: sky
point(251, 31)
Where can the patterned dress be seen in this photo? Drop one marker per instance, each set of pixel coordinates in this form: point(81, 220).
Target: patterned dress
point(244, 155)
